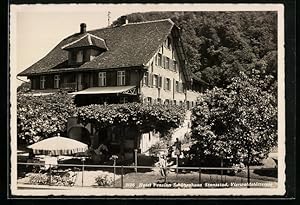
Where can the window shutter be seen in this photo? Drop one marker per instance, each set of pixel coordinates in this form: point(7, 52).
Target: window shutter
point(159, 81)
point(146, 79)
point(149, 79)
point(174, 84)
point(152, 80)
point(166, 83)
point(127, 77)
point(166, 62)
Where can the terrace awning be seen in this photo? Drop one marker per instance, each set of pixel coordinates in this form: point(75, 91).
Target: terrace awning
point(129, 90)
point(38, 93)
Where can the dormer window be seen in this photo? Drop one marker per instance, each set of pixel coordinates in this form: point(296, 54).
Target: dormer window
point(79, 57)
point(85, 48)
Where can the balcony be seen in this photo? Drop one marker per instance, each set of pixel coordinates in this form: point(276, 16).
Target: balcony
point(73, 86)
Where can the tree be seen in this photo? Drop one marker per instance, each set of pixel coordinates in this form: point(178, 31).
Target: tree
point(237, 123)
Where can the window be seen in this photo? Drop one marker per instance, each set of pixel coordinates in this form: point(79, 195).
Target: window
point(177, 86)
point(181, 87)
point(79, 57)
point(102, 79)
point(158, 101)
point(152, 67)
point(164, 62)
point(174, 102)
point(175, 66)
point(167, 84)
point(161, 49)
point(148, 100)
point(155, 60)
point(166, 102)
point(171, 64)
point(159, 59)
point(56, 81)
point(73, 56)
point(167, 66)
point(145, 79)
point(168, 43)
point(188, 105)
point(42, 82)
point(121, 77)
point(160, 81)
point(155, 81)
point(150, 80)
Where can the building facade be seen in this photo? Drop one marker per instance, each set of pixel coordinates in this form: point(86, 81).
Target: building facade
point(133, 62)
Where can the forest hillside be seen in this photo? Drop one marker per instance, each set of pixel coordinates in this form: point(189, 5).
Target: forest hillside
point(218, 45)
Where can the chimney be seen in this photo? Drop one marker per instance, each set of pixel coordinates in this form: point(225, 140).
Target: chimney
point(82, 28)
point(124, 20)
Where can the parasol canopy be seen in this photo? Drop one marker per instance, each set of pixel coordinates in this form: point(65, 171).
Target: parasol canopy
point(58, 146)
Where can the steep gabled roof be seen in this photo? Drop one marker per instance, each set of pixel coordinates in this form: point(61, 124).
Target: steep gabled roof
point(129, 45)
point(88, 40)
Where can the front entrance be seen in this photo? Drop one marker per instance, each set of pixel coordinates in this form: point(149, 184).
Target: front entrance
point(80, 133)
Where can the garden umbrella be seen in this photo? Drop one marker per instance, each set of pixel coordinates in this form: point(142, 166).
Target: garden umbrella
point(58, 146)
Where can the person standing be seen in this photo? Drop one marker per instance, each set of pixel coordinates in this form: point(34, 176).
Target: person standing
point(177, 145)
point(162, 164)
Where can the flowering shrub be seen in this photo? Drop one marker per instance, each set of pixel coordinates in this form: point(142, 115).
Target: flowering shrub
point(66, 179)
point(40, 117)
point(39, 178)
point(104, 180)
point(144, 116)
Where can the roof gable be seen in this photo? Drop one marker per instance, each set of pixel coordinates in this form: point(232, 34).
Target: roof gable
point(129, 45)
point(87, 40)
